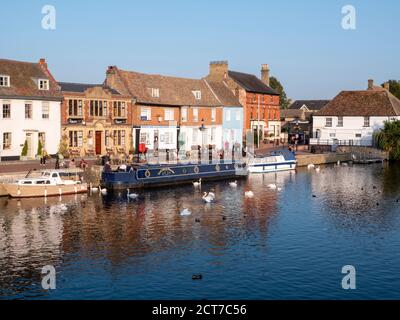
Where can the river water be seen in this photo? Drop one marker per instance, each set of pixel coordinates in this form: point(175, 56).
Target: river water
point(286, 244)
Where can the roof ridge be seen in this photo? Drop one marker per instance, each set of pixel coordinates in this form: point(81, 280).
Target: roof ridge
point(212, 91)
point(160, 75)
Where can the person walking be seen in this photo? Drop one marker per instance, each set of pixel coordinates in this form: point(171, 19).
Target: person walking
point(57, 166)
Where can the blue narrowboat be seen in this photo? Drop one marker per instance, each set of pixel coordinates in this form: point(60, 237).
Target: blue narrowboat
point(157, 175)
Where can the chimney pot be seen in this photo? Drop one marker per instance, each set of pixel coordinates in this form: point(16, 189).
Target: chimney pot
point(386, 85)
point(218, 70)
point(265, 74)
point(370, 84)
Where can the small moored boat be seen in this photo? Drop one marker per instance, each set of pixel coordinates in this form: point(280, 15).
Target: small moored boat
point(48, 183)
point(279, 160)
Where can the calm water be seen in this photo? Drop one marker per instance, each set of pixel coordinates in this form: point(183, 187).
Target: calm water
point(278, 245)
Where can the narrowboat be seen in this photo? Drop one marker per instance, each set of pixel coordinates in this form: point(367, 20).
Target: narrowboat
point(48, 183)
point(158, 175)
point(279, 160)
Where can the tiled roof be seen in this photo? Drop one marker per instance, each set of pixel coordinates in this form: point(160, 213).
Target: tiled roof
point(310, 104)
point(362, 103)
point(82, 87)
point(224, 94)
point(172, 90)
point(292, 113)
point(251, 83)
point(24, 78)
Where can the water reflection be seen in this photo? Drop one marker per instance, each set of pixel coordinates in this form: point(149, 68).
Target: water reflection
point(108, 238)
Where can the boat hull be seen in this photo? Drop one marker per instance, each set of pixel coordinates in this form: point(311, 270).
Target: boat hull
point(35, 191)
point(168, 175)
point(272, 167)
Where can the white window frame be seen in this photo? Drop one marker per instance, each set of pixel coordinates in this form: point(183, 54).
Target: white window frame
point(145, 112)
point(238, 117)
point(29, 103)
point(228, 115)
point(327, 122)
point(44, 84)
point(197, 94)
point(340, 122)
point(367, 122)
point(45, 107)
point(184, 114)
point(195, 114)
point(5, 103)
point(213, 114)
point(9, 141)
point(155, 92)
point(4, 81)
point(169, 114)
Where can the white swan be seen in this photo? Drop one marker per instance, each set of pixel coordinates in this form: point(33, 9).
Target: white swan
point(208, 198)
point(317, 169)
point(185, 212)
point(104, 192)
point(233, 184)
point(212, 194)
point(197, 183)
point(272, 186)
point(310, 166)
point(93, 189)
point(131, 195)
point(249, 194)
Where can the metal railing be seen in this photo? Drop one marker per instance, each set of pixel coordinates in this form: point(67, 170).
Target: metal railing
point(337, 142)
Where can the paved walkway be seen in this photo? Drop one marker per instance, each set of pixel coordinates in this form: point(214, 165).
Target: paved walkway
point(25, 166)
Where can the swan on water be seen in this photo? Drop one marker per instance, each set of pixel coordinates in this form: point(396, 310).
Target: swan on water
point(208, 198)
point(318, 169)
point(249, 194)
point(185, 212)
point(104, 192)
point(272, 186)
point(197, 183)
point(310, 166)
point(233, 184)
point(131, 195)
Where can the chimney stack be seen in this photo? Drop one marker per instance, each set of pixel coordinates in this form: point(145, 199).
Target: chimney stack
point(265, 74)
point(386, 85)
point(218, 70)
point(370, 84)
point(43, 62)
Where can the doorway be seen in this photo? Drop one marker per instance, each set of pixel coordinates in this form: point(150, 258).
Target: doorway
point(29, 145)
point(98, 142)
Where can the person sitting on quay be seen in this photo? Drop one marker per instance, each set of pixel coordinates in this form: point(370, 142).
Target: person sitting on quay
point(83, 164)
point(107, 167)
point(72, 164)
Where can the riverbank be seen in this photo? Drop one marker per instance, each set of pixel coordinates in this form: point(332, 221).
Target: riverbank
point(323, 158)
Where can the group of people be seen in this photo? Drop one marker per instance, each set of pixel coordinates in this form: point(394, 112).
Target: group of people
point(60, 163)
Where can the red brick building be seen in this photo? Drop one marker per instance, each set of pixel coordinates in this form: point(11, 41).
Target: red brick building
point(260, 102)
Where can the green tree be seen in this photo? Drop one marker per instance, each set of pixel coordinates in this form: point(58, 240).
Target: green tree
point(277, 86)
point(24, 151)
point(388, 139)
point(394, 88)
point(63, 146)
point(40, 147)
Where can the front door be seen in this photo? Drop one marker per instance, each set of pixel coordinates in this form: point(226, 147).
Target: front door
point(29, 144)
point(98, 142)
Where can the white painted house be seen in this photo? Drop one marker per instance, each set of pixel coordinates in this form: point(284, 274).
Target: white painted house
point(352, 117)
point(30, 109)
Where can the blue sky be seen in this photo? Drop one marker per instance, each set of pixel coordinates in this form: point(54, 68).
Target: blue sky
point(302, 41)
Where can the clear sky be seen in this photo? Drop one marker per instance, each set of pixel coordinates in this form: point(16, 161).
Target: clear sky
point(302, 41)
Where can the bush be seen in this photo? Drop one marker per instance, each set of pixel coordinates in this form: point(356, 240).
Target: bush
point(388, 139)
point(24, 151)
point(40, 148)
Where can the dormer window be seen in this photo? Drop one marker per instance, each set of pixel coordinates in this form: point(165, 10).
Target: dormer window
point(197, 94)
point(44, 84)
point(155, 92)
point(4, 81)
